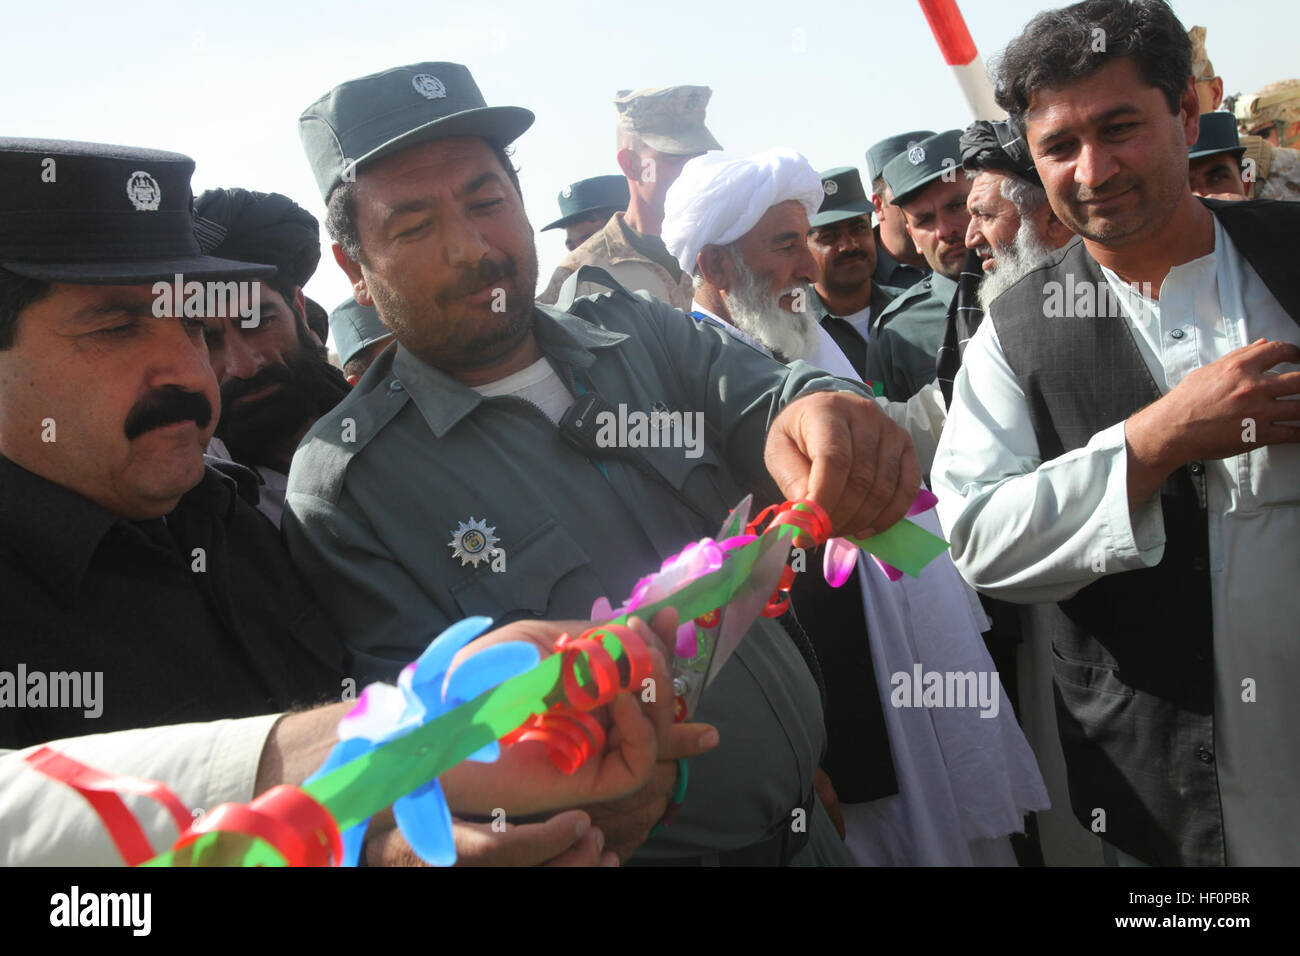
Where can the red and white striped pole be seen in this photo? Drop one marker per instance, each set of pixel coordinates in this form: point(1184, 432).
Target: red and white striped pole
point(958, 49)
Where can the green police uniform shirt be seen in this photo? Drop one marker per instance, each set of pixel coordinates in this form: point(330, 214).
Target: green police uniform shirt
point(904, 354)
point(383, 487)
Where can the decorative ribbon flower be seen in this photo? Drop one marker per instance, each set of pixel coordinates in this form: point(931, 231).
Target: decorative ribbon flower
point(424, 691)
point(841, 554)
point(694, 561)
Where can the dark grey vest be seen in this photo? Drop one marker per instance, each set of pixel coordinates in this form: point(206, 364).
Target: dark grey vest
point(1133, 652)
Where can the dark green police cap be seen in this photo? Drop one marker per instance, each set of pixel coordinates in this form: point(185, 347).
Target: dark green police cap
point(907, 174)
point(587, 196)
point(844, 197)
point(355, 326)
point(879, 155)
point(365, 119)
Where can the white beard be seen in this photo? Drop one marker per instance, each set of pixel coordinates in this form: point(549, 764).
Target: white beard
point(1013, 262)
point(757, 312)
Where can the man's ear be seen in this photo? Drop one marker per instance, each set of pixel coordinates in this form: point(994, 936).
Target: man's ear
point(629, 164)
point(300, 309)
point(1054, 231)
point(352, 268)
point(1189, 105)
point(1216, 91)
point(878, 203)
point(715, 267)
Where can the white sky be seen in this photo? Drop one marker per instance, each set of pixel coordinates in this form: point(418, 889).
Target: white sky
point(225, 82)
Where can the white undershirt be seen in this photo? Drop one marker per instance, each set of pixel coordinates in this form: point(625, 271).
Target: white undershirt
point(861, 322)
point(538, 384)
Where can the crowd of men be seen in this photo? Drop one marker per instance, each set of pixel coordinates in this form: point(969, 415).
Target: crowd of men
point(1077, 325)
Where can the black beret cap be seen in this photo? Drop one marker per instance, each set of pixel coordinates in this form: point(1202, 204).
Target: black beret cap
point(96, 214)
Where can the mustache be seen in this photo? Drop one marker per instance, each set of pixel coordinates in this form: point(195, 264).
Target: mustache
point(167, 406)
point(473, 280)
point(236, 388)
point(1109, 191)
point(846, 257)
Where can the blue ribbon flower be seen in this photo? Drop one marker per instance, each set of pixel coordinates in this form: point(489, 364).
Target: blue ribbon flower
point(423, 693)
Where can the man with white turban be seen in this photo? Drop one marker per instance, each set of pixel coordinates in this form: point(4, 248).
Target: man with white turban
point(740, 227)
point(964, 777)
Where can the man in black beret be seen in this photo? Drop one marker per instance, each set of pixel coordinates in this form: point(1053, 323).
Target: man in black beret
point(141, 588)
point(123, 554)
point(275, 379)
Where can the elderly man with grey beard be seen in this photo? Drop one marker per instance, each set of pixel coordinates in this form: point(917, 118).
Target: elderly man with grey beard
point(1011, 224)
point(741, 226)
point(1011, 227)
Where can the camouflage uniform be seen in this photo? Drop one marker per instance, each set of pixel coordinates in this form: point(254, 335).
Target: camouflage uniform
point(1277, 171)
point(1277, 168)
point(612, 250)
point(668, 119)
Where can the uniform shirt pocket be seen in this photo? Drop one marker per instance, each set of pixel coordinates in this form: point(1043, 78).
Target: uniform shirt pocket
point(533, 570)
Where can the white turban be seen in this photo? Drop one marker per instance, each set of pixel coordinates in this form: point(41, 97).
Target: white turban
point(719, 197)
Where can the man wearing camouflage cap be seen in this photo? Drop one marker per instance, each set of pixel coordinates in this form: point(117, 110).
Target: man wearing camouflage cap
point(927, 183)
point(659, 129)
point(1209, 86)
point(1269, 121)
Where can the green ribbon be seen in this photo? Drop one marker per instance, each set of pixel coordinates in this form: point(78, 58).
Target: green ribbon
point(907, 546)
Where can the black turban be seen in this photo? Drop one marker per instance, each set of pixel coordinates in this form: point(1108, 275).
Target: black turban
point(997, 145)
point(259, 227)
